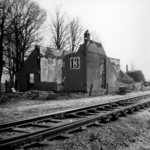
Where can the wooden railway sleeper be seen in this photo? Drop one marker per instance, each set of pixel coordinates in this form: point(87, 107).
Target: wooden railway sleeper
point(105, 119)
point(123, 113)
point(97, 123)
point(72, 115)
point(108, 106)
point(100, 108)
point(84, 128)
point(53, 120)
point(146, 104)
point(142, 106)
point(82, 113)
point(92, 110)
point(61, 116)
point(66, 135)
point(114, 116)
point(136, 108)
point(114, 105)
point(130, 110)
point(40, 125)
point(121, 103)
point(89, 113)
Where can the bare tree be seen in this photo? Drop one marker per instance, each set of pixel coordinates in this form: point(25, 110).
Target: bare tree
point(58, 29)
point(75, 34)
point(5, 7)
point(22, 33)
point(9, 67)
point(65, 34)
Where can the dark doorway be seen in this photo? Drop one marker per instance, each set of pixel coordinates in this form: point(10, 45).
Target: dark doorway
point(30, 81)
point(103, 73)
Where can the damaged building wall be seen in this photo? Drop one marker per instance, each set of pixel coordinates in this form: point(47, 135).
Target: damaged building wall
point(115, 76)
point(75, 71)
point(30, 67)
point(51, 66)
point(48, 73)
point(96, 69)
point(112, 76)
point(95, 66)
point(45, 67)
point(116, 65)
point(92, 70)
point(124, 78)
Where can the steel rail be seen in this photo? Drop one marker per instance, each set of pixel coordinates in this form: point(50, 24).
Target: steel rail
point(70, 127)
point(62, 114)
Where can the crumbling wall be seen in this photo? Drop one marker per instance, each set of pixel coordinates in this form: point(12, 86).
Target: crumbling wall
point(59, 73)
point(116, 65)
point(95, 67)
point(75, 71)
point(111, 76)
point(48, 73)
point(50, 65)
point(30, 67)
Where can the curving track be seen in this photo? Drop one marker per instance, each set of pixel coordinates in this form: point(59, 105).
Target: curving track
point(28, 132)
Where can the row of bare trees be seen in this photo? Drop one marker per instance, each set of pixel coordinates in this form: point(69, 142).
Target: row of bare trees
point(20, 22)
point(65, 33)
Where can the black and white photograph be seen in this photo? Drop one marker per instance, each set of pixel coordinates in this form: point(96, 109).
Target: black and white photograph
point(74, 75)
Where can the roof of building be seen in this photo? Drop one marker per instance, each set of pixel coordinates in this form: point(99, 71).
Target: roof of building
point(53, 53)
point(96, 48)
point(125, 78)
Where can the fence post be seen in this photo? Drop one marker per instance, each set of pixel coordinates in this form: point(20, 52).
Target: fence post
point(6, 86)
point(107, 88)
point(133, 87)
point(142, 86)
point(91, 87)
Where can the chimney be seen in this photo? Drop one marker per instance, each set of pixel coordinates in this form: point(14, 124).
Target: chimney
point(126, 68)
point(86, 36)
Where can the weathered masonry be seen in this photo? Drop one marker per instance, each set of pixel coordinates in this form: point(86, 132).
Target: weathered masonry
point(90, 66)
point(86, 67)
point(43, 70)
point(47, 69)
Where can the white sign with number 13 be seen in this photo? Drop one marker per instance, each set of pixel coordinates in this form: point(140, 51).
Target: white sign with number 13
point(75, 63)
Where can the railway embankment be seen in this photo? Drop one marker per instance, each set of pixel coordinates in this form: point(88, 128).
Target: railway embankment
point(130, 132)
point(15, 106)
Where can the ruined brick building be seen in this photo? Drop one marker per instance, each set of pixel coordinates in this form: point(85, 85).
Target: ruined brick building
point(46, 69)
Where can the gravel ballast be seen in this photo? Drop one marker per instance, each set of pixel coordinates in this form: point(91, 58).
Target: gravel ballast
point(127, 133)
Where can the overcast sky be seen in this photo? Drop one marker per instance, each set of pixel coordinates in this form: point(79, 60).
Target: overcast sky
point(123, 27)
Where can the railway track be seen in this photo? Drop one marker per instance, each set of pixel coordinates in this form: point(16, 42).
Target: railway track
point(27, 132)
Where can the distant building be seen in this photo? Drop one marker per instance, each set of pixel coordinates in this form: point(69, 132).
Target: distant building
point(46, 69)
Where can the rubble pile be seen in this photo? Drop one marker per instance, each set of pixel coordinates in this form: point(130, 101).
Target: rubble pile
point(30, 95)
point(10, 97)
point(42, 95)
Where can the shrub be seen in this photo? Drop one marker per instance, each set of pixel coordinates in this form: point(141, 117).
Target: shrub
point(136, 75)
